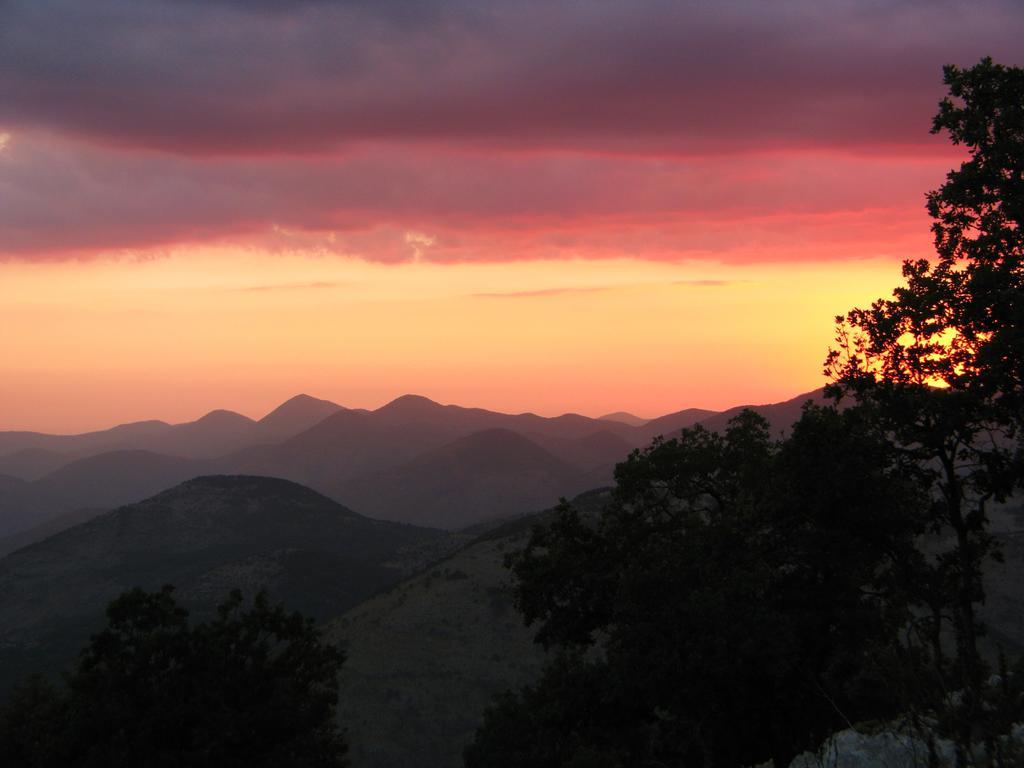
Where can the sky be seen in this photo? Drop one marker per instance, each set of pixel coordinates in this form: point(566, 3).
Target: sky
point(545, 206)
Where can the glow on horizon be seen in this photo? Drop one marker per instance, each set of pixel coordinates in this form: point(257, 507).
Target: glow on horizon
point(91, 344)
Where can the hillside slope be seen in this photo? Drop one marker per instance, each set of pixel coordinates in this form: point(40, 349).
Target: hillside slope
point(486, 475)
point(98, 482)
point(206, 536)
point(426, 657)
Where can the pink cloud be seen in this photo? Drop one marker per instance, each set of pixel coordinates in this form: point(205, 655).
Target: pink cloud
point(397, 130)
point(61, 199)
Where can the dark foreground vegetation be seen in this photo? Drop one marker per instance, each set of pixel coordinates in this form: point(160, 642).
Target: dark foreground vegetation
point(255, 686)
point(741, 595)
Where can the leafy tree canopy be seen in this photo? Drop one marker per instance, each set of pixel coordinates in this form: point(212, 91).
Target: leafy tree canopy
point(723, 610)
point(255, 686)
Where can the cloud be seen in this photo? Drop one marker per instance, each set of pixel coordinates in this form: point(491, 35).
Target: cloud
point(65, 199)
point(419, 243)
point(706, 283)
point(541, 292)
point(233, 77)
point(312, 286)
point(462, 131)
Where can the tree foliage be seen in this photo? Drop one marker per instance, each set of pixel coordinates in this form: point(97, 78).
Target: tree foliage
point(941, 363)
point(255, 686)
point(978, 223)
point(724, 609)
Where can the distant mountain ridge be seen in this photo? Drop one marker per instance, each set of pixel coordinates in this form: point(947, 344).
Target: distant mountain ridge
point(214, 434)
point(780, 416)
point(396, 462)
point(671, 424)
point(102, 440)
point(624, 417)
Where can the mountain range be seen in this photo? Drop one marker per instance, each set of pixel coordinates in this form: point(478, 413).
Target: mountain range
point(31, 455)
point(411, 460)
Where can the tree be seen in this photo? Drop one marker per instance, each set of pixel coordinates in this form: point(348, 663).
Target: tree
point(941, 363)
point(571, 717)
point(723, 610)
point(978, 223)
point(28, 725)
point(255, 686)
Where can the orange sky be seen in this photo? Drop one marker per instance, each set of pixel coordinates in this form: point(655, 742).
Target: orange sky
point(90, 344)
point(591, 206)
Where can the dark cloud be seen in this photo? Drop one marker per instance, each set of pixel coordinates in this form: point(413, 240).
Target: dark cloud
point(640, 76)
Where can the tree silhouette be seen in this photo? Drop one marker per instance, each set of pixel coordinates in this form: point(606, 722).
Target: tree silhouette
point(941, 362)
point(255, 686)
point(723, 610)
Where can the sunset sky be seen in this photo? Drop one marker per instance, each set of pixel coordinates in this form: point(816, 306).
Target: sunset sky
point(546, 206)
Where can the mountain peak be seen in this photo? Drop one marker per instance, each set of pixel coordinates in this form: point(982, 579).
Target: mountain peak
point(221, 416)
point(624, 417)
point(297, 414)
point(409, 404)
point(302, 401)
